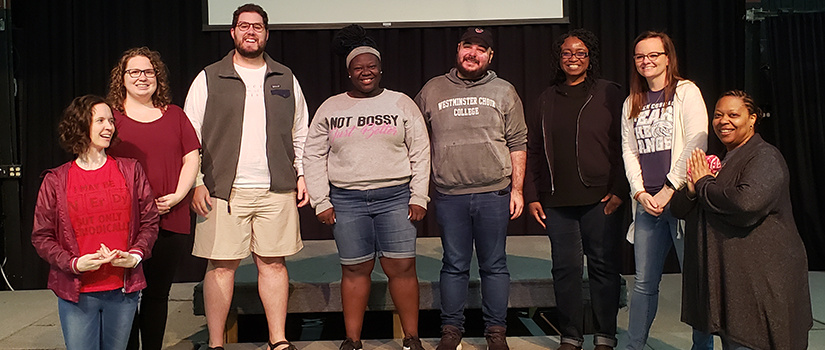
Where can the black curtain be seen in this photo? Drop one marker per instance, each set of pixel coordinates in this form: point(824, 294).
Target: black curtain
point(67, 48)
point(796, 50)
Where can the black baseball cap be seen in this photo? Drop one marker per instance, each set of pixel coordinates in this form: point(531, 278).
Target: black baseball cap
point(477, 35)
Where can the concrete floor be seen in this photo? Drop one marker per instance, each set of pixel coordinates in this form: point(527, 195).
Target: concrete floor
point(30, 321)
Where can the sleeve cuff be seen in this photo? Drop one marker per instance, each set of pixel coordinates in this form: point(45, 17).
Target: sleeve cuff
point(137, 257)
point(422, 202)
point(74, 266)
point(324, 205)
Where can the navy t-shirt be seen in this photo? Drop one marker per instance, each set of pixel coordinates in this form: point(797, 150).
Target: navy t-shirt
point(654, 139)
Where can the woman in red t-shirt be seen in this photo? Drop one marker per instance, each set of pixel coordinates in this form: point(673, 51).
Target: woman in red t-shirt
point(95, 221)
point(159, 135)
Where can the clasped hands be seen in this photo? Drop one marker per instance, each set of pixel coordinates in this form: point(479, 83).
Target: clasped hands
point(697, 168)
point(104, 255)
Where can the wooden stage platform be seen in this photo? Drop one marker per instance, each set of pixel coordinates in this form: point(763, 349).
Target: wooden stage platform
point(315, 280)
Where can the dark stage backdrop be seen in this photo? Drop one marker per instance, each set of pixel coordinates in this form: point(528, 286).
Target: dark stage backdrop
point(796, 50)
point(66, 48)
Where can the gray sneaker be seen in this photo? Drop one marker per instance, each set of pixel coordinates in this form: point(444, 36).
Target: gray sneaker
point(413, 343)
point(496, 338)
point(450, 338)
point(349, 344)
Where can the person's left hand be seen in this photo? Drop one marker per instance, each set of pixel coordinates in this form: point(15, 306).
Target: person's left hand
point(165, 203)
point(303, 196)
point(613, 203)
point(516, 204)
point(121, 258)
point(417, 212)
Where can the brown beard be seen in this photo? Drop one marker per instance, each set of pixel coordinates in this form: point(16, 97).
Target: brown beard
point(251, 54)
point(470, 75)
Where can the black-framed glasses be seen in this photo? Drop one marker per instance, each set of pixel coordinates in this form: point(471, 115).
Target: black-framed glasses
point(135, 73)
point(579, 54)
point(244, 26)
point(651, 56)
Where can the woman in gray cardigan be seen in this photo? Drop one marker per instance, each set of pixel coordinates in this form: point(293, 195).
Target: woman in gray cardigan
point(745, 269)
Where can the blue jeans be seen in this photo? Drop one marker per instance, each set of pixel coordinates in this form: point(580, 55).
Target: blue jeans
point(98, 321)
point(652, 241)
point(373, 223)
point(584, 230)
point(465, 220)
point(653, 238)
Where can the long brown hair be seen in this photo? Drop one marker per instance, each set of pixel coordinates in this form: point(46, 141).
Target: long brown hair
point(117, 90)
point(638, 84)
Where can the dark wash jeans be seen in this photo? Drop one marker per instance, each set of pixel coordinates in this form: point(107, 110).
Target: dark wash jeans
point(478, 219)
point(575, 231)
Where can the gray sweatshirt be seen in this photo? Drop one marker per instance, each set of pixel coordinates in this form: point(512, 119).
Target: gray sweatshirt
point(474, 125)
point(367, 143)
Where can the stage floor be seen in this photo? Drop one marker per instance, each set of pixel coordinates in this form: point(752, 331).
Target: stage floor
point(29, 321)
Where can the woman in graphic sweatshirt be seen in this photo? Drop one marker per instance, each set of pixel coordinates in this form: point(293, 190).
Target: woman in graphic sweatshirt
point(367, 165)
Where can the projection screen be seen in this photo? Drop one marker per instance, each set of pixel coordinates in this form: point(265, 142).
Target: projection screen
point(331, 14)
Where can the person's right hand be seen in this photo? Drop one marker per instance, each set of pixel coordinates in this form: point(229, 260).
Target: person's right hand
point(650, 204)
point(201, 202)
point(93, 261)
point(537, 212)
point(327, 217)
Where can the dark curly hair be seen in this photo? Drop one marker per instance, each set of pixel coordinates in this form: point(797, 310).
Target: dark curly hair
point(747, 100)
point(250, 8)
point(117, 90)
point(76, 123)
point(594, 70)
point(350, 37)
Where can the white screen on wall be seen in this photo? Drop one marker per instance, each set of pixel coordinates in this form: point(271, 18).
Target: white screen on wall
point(327, 14)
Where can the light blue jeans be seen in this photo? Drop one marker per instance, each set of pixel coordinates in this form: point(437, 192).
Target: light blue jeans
point(653, 238)
point(98, 321)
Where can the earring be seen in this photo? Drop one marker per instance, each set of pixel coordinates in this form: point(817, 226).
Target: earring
point(349, 76)
point(381, 72)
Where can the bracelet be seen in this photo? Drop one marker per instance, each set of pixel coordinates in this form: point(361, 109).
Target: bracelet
point(636, 196)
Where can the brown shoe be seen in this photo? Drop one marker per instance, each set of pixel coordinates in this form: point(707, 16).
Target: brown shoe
point(496, 338)
point(568, 346)
point(412, 343)
point(450, 338)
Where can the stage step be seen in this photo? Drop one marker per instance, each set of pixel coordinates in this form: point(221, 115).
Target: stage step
point(520, 343)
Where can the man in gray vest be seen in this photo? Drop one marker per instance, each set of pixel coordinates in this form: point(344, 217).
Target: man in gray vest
point(251, 117)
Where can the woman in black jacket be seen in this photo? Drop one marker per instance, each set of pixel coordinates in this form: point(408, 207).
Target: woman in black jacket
point(574, 163)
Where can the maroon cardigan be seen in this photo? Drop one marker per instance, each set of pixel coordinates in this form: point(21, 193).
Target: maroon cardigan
point(54, 239)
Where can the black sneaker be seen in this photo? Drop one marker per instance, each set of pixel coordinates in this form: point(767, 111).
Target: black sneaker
point(496, 338)
point(412, 343)
point(450, 338)
point(349, 344)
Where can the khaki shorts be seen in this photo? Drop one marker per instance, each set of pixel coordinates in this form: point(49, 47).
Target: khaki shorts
point(254, 220)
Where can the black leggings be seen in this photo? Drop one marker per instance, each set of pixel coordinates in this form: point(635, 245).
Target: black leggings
point(159, 270)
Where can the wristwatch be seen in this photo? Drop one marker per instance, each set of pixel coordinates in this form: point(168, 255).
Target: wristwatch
point(669, 184)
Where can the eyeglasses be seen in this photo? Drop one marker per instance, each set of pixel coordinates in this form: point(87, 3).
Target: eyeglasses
point(579, 54)
point(135, 73)
point(651, 56)
point(244, 26)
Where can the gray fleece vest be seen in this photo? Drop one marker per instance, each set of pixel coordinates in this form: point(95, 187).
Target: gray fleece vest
point(223, 125)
